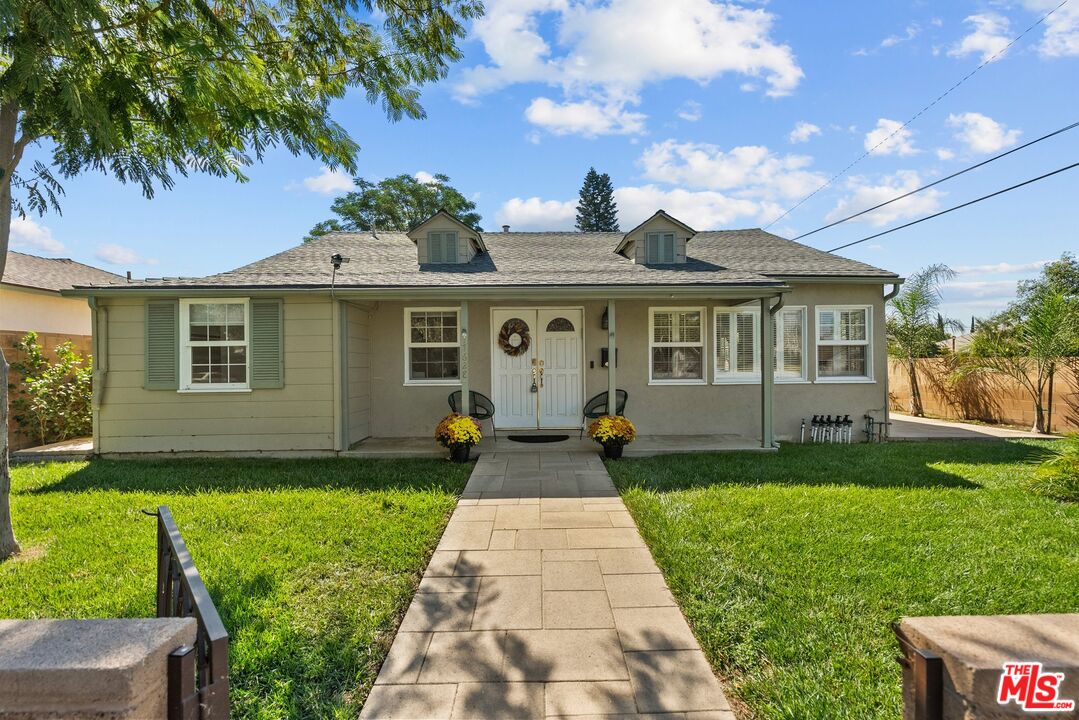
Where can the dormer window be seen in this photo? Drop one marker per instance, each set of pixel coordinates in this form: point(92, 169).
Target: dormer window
point(659, 248)
point(442, 247)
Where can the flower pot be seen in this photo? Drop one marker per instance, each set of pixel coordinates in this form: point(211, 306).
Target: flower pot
point(612, 451)
point(459, 453)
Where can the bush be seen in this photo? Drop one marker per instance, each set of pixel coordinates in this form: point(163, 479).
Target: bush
point(1058, 477)
point(53, 401)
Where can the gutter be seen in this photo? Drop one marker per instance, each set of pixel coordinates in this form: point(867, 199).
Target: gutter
point(894, 291)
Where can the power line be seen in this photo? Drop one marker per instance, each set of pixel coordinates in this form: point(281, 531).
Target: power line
point(917, 115)
point(938, 182)
point(958, 207)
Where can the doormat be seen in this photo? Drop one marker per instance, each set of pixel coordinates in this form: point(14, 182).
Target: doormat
point(538, 438)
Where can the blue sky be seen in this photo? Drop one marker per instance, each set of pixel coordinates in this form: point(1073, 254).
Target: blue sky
point(723, 114)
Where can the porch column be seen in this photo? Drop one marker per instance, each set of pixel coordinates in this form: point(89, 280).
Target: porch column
point(612, 384)
point(462, 361)
point(767, 353)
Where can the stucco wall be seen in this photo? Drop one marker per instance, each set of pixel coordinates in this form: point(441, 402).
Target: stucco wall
point(297, 417)
point(656, 409)
point(43, 312)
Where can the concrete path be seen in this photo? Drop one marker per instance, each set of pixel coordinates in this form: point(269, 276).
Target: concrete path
point(542, 601)
point(908, 427)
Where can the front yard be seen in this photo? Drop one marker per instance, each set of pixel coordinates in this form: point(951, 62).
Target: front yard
point(310, 562)
point(790, 567)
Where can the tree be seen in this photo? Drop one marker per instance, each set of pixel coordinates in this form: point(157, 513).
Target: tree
point(396, 203)
point(146, 89)
point(596, 208)
point(914, 326)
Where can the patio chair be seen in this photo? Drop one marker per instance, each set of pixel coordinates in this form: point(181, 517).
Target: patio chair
point(597, 407)
point(480, 407)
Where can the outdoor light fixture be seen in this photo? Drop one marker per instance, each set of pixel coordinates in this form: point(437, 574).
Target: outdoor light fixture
point(336, 260)
point(603, 320)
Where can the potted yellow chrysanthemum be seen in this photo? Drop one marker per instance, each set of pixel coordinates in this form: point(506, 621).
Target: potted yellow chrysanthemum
point(458, 433)
point(613, 432)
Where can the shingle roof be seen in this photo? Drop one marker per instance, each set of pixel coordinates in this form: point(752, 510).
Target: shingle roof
point(523, 259)
point(53, 273)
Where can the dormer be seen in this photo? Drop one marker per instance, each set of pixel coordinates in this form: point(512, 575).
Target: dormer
point(659, 240)
point(442, 239)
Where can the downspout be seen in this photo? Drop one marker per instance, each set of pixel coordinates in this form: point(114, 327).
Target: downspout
point(99, 348)
point(887, 370)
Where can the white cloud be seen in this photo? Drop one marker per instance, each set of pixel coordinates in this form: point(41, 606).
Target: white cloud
point(803, 131)
point(603, 55)
point(865, 194)
point(944, 154)
point(1061, 37)
point(424, 177)
point(981, 133)
point(29, 235)
point(1001, 268)
point(120, 255)
point(991, 34)
point(909, 33)
point(751, 170)
point(956, 290)
point(691, 111)
point(703, 210)
point(329, 182)
point(890, 138)
point(537, 214)
point(534, 137)
point(585, 118)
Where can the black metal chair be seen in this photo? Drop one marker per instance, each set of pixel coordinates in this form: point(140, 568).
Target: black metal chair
point(480, 407)
point(597, 407)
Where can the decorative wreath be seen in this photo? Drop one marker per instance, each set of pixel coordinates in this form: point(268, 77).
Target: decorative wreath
point(514, 339)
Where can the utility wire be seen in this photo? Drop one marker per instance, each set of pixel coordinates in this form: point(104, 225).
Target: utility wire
point(917, 115)
point(938, 182)
point(958, 207)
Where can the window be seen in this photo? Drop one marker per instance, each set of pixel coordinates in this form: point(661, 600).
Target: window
point(738, 354)
point(432, 346)
point(442, 247)
point(213, 344)
point(560, 324)
point(676, 346)
point(843, 344)
point(659, 248)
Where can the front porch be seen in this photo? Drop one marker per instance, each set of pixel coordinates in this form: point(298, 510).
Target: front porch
point(644, 446)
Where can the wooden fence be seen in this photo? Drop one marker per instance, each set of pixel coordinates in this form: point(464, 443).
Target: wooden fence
point(987, 397)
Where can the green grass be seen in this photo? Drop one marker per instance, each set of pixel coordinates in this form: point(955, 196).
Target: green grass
point(792, 566)
point(310, 562)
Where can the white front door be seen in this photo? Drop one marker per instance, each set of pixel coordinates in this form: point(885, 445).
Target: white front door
point(541, 385)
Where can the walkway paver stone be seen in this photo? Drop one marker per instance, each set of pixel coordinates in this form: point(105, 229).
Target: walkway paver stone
point(543, 601)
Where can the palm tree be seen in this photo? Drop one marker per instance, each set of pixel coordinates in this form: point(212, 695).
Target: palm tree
point(914, 324)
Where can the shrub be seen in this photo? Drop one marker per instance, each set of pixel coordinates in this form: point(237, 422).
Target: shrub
point(53, 401)
point(1058, 477)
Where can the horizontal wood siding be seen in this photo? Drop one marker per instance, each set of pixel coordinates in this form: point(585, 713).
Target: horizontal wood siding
point(298, 416)
point(359, 374)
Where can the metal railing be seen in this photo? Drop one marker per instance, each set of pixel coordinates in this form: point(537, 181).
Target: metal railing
point(925, 672)
point(198, 677)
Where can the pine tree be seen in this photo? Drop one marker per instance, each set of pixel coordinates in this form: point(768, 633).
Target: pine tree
point(596, 209)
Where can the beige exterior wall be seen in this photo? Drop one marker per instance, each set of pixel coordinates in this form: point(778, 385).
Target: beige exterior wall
point(358, 348)
point(23, 310)
point(297, 417)
point(405, 410)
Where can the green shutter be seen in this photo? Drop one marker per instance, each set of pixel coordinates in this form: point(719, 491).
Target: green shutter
point(434, 248)
point(267, 343)
point(162, 345)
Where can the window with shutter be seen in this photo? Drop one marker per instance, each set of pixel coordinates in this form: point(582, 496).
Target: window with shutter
point(214, 344)
point(737, 348)
point(659, 248)
point(442, 247)
point(162, 371)
point(844, 342)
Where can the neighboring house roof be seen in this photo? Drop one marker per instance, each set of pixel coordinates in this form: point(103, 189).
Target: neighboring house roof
point(53, 274)
point(533, 259)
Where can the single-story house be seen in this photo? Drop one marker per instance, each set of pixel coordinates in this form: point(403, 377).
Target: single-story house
point(359, 335)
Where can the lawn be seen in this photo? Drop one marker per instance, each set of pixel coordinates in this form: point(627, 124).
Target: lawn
point(790, 567)
point(310, 562)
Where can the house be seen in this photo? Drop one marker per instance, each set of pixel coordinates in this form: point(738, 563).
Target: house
point(363, 335)
point(30, 300)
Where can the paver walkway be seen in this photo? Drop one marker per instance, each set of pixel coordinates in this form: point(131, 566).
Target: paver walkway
point(543, 601)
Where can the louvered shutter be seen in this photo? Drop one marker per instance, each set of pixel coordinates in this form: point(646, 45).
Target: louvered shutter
point(162, 345)
point(267, 343)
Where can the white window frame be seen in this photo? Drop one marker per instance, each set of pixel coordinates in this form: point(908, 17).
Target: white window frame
point(734, 377)
point(445, 382)
point(703, 380)
point(659, 238)
point(185, 384)
point(868, 343)
point(443, 237)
